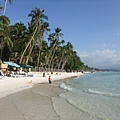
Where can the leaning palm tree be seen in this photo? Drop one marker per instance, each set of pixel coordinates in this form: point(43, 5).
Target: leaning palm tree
point(69, 50)
point(37, 19)
point(54, 42)
point(32, 37)
point(10, 1)
point(63, 50)
point(44, 28)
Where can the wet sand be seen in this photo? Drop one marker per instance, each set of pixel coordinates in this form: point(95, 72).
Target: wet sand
point(41, 102)
point(30, 104)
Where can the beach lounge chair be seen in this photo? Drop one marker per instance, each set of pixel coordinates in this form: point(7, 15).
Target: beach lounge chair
point(2, 75)
point(14, 75)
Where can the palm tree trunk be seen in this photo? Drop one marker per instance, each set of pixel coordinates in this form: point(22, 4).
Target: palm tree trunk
point(1, 55)
point(1, 48)
point(50, 64)
point(63, 65)
point(28, 45)
point(5, 7)
point(53, 53)
point(38, 61)
point(29, 54)
point(50, 54)
point(60, 60)
point(48, 59)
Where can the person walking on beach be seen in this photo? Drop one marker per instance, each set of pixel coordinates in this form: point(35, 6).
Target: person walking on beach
point(50, 80)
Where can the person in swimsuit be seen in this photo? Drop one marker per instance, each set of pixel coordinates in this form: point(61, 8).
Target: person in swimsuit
point(50, 80)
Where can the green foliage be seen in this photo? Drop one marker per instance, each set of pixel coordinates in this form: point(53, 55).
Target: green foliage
point(74, 63)
point(30, 45)
point(4, 34)
point(1, 8)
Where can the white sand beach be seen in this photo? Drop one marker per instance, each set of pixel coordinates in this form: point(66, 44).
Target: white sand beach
point(9, 85)
point(34, 101)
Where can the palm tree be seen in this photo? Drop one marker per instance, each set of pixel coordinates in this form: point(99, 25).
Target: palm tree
point(44, 28)
point(63, 50)
point(54, 56)
point(33, 42)
point(19, 36)
point(10, 1)
point(32, 37)
point(43, 54)
point(1, 8)
point(69, 50)
point(37, 19)
point(54, 43)
point(4, 34)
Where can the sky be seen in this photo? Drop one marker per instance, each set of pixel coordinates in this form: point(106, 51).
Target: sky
point(92, 26)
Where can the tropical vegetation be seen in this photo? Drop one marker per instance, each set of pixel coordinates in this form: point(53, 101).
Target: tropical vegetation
point(28, 45)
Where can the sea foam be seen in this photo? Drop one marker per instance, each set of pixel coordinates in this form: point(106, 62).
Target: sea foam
point(65, 87)
point(102, 93)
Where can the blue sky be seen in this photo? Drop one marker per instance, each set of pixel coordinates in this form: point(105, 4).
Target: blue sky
point(92, 26)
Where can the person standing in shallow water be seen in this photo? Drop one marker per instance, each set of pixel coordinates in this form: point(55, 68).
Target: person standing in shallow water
point(50, 80)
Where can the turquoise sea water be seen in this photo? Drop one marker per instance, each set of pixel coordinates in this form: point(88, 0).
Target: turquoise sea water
point(97, 94)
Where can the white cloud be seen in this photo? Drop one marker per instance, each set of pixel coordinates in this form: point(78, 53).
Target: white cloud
point(108, 59)
point(105, 46)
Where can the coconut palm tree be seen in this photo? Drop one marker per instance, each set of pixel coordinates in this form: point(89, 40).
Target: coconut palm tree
point(33, 42)
point(4, 34)
point(63, 50)
point(37, 19)
point(19, 37)
point(54, 43)
point(10, 1)
point(44, 28)
point(69, 50)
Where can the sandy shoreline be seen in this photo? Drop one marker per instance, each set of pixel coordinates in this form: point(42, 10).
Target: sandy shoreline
point(9, 85)
point(37, 103)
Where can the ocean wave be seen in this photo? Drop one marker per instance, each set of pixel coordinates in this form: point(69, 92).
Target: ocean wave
point(102, 93)
point(65, 87)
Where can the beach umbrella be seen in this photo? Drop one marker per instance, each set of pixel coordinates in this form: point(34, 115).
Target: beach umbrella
point(26, 66)
point(12, 64)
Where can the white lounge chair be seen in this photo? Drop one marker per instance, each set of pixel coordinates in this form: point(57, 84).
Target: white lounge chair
point(2, 74)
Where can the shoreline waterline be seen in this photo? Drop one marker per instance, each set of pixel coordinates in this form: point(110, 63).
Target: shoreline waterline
point(10, 85)
point(96, 94)
point(35, 103)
